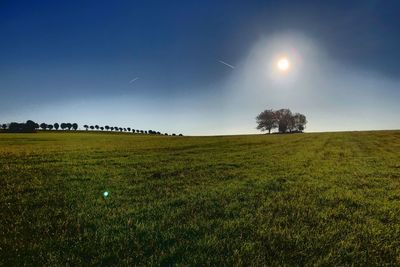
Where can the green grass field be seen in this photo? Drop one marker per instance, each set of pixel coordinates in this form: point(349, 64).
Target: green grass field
point(301, 199)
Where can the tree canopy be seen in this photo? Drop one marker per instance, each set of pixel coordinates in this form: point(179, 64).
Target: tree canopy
point(283, 119)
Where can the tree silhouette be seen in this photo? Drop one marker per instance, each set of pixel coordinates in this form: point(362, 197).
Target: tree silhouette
point(97, 127)
point(283, 119)
point(75, 126)
point(4, 126)
point(43, 126)
point(86, 127)
point(56, 126)
point(63, 126)
point(30, 126)
point(107, 127)
point(300, 122)
point(91, 127)
point(15, 127)
point(50, 127)
point(267, 120)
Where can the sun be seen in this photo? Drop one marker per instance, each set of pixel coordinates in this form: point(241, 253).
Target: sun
point(283, 64)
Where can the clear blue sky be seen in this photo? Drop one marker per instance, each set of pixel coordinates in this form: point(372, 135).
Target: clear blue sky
point(72, 61)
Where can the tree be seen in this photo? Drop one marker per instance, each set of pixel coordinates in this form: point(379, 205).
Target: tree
point(91, 127)
point(75, 126)
point(4, 126)
point(30, 125)
point(291, 126)
point(69, 125)
point(129, 129)
point(56, 126)
point(107, 127)
point(102, 128)
point(112, 128)
point(267, 120)
point(86, 127)
point(43, 126)
point(14, 127)
point(284, 117)
point(50, 127)
point(63, 126)
point(300, 122)
point(133, 130)
point(97, 127)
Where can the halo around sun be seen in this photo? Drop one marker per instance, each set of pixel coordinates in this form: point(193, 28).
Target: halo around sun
point(283, 64)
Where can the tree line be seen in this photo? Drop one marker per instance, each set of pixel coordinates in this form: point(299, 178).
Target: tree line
point(283, 120)
point(31, 126)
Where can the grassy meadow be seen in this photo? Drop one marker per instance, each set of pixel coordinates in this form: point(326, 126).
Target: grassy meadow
point(301, 199)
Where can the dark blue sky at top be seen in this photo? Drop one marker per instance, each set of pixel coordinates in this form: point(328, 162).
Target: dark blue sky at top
point(79, 49)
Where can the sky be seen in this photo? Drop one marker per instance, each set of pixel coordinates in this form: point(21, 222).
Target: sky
point(157, 64)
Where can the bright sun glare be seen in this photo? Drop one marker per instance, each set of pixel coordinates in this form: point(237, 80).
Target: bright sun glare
point(283, 64)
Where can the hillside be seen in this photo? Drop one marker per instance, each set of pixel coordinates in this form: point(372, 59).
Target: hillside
point(323, 198)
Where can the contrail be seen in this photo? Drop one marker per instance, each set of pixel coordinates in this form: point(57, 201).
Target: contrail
point(226, 64)
point(133, 80)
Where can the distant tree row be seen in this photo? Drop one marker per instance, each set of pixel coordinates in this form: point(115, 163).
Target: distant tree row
point(121, 129)
point(56, 126)
point(15, 127)
point(283, 120)
point(31, 126)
